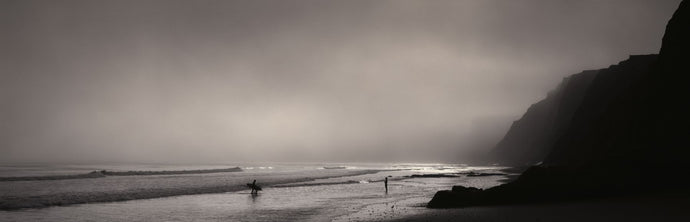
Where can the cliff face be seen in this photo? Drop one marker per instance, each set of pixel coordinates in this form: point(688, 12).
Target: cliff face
point(637, 115)
point(604, 117)
point(528, 140)
point(632, 113)
point(633, 120)
point(569, 123)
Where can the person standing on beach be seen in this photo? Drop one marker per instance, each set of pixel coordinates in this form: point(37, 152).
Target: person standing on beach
point(253, 187)
point(385, 183)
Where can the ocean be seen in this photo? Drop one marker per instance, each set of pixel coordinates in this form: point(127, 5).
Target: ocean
point(291, 191)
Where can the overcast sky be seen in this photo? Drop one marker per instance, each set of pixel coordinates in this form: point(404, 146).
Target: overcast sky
point(215, 81)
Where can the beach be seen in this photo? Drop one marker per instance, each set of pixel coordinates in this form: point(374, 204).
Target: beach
point(291, 192)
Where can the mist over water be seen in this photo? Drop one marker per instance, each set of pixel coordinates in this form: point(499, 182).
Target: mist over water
point(219, 81)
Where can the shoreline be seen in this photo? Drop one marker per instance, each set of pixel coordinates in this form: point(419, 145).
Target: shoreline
point(303, 194)
point(107, 189)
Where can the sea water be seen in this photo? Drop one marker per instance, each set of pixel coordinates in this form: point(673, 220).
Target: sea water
point(292, 192)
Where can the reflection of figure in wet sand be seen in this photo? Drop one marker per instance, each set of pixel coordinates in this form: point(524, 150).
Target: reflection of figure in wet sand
point(253, 200)
point(255, 188)
point(385, 183)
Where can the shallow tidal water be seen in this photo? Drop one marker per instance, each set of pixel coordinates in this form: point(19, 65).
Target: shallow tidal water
point(337, 198)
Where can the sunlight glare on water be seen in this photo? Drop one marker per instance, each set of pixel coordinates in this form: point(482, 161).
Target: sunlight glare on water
point(344, 197)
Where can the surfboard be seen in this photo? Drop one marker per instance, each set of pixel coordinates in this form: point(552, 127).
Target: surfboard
point(254, 186)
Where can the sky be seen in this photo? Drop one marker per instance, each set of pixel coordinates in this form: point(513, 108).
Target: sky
point(206, 81)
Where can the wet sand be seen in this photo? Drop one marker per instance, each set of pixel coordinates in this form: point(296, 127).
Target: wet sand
point(45, 193)
point(649, 207)
point(291, 193)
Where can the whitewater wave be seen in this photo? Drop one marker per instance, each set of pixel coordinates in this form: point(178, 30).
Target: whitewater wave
point(103, 173)
point(169, 172)
point(334, 167)
point(94, 174)
point(109, 189)
point(109, 186)
point(315, 184)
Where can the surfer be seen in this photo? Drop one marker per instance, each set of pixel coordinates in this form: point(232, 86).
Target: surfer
point(255, 188)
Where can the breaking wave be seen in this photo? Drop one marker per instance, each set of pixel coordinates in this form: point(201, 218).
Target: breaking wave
point(142, 188)
point(103, 173)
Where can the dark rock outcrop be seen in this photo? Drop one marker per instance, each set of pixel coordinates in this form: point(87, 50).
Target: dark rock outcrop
point(458, 197)
point(632, 124)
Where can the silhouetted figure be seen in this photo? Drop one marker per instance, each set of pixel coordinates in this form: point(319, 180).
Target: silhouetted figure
point(255, 188)
point(385, 183)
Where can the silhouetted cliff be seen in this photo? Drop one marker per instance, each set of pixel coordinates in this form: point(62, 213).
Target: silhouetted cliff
point(632, 124)
point(634, 115)
point(529, 139)
point(545, 123)
point(580, 135)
